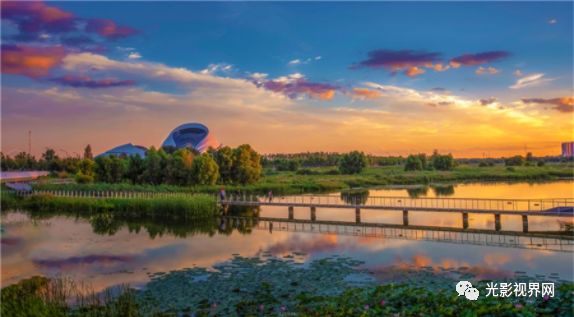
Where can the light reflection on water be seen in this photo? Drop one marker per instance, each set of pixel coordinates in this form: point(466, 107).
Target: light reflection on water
point(68, 245)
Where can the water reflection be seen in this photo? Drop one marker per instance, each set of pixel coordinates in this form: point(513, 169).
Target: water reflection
point(106, 250)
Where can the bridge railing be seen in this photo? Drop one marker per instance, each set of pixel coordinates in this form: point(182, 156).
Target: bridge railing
point(407, 202)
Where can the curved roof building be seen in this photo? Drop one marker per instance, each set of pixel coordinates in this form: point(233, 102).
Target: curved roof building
point(127, 149)
point(194, 136)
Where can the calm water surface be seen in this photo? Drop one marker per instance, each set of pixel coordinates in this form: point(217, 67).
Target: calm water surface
point(109, 254)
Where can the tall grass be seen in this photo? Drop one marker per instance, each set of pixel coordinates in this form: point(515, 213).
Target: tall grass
point(188, 207)
point(41, 296)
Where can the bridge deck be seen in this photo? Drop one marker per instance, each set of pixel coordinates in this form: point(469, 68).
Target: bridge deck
point(562, 207)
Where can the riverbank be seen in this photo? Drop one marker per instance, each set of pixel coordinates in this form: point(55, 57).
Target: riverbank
point(329, 179)
point(185, 207)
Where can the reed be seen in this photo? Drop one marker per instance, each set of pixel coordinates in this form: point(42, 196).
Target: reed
point(185, 207)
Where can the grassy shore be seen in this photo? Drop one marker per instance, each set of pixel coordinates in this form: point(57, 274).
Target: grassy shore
point(40, 296)
point(328, 179)
point(187, 207)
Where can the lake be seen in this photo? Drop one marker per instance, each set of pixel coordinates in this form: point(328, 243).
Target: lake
point(106, 253)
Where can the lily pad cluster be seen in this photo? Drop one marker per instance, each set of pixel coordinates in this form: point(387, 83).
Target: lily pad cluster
point(252, 285)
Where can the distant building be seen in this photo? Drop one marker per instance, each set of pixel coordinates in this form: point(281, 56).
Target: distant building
point(194, 136)
point(568, 149)
point(126, 150)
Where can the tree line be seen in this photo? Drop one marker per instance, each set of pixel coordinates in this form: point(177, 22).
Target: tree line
point(184, 167)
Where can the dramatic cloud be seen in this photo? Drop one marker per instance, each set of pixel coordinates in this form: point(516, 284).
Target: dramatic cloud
point(84, 62)
point(34, 62)
point(109, 29)
point(412, 63)
point(530, 80)
point(35, 18)
point(87, 82)
point(486, 70)
point(365, 94)
point(296, 85)
point(399, 60)
point(564, 104)
point(477, 59)
point(414, 71)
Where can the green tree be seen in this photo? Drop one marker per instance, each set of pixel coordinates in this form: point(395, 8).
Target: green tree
point(516, 160)
point(246, 165)
point(179, 167)
point(51, 160)
point(135, 169)
point(25, 161)
point(224, 159)
point(155, 162)
point(88, 152)
point(413, 163)
point(110, 169)
point(204, 170)
point(352, 163)
point(442, 162)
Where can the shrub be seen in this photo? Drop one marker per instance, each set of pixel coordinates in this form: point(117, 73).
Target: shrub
point(352, 163)
point(82, 178)
point(516, 160)
point(413, 163)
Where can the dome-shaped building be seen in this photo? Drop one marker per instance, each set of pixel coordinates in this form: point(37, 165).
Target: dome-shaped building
point(127, 149)
point(194, 136)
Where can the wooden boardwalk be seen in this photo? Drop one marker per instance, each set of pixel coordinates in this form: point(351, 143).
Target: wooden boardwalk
point(559, 207)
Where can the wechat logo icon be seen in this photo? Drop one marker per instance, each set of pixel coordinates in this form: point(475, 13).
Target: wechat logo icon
point(465, 288)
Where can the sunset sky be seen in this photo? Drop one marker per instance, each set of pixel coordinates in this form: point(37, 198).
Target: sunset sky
point(473, 79)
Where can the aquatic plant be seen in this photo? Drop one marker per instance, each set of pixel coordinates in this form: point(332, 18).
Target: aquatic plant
point(184, 207)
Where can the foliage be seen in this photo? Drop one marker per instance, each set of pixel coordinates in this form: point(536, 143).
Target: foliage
point(224, 159)
point(246, 167)
point(442, 162)
point(414, 163)
point(88, 153)
point(516, 160)
point(39, 296)
point(27, 298)
point(352, 163)
point(204, 170)
point(159, 207)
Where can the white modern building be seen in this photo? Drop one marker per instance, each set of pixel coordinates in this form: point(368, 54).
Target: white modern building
point(194, 136)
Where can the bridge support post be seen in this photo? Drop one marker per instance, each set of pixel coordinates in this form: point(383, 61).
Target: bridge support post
point(358, 215)
point(525, 223)
point(291, 216)
point(313, 213)
point(497, 222)
point(405, 217)
point(465, 220)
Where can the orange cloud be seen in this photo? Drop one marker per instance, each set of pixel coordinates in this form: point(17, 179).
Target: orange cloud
point(325, 95)
point(563, 104)
point(31, 61)
point(440, 67)
point(364, 93)
point(414, 71)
